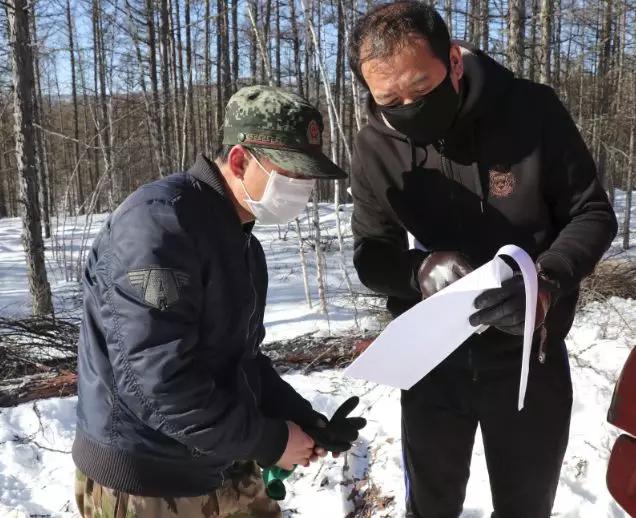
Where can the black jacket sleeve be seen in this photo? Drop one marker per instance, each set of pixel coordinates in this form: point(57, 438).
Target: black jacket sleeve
point(381, 256)
point(578, 203)
point(280, 400)
point(154, 351)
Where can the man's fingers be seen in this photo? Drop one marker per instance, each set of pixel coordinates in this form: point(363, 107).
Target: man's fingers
point(510, 313)
point(496, 318)
point(493, 297)
point(307, 452)
point(322, 422)
point(514, 281)
point(346, 408)
point(321, 452)
point(287, 466)
point(357, 422)
point(461, 269)
point(496, 296)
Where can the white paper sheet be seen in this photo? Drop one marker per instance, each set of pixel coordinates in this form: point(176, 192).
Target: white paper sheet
point(420, 339)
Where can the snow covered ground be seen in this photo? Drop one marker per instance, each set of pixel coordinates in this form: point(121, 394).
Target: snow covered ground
point(616, 250)
point(36, 470)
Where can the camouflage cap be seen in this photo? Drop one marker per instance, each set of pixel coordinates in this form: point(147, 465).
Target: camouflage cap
point(282, 126)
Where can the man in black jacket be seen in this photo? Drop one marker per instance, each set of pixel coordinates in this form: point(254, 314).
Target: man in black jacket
point(467, 158)
point(176, 402)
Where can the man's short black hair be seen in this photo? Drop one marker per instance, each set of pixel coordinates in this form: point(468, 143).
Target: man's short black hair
point(388, 26)
point(223, 152)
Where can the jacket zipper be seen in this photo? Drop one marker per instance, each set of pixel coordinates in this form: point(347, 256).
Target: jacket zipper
point(249, 387)
point(447, 171)
point(249, 322)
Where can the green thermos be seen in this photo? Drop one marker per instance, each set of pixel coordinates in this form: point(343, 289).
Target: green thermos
point(274, 485)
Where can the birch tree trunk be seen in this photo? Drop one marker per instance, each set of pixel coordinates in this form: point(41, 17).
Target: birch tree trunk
point(164, 166)
point(296, 48)
point(180, 122)
point(103, 126)
point(516, 28)
point(4, 188)
point(23, 92)
point(631, 172)
point(71, 50)
point(226, 64)
point(303, 264)
point(175, 67)
point(192, 129)
point(556, 76)
point(629, 186)
point(252, 9)
point(448, 15)
point(235, 46)
point(154, 128)
point(485, 24)
point(471, 23)
point(604, 90)
point(326, 82)
point(44, 176)
point(320, 256)
point(532, 62)
point(207, 87)
point(546, 41)
point(278, 42)
point(165, 79)
point(267, 72)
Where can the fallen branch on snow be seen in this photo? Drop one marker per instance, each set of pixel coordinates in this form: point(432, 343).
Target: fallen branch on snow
point(37, 386)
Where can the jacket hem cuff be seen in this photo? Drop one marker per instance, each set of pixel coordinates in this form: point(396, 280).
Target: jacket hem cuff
point(139, 475)
point(305, 415)
point(558, 268)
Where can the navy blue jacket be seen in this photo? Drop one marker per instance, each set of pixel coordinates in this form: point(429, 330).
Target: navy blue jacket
point(172, 386)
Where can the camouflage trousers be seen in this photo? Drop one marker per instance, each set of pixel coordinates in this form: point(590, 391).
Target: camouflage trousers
point(238, 497)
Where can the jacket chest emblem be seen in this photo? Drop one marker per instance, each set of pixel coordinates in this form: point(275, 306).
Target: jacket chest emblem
point(159, 287)
point(502, 182)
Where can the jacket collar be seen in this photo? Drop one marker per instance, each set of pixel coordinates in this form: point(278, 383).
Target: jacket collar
point(208, 172)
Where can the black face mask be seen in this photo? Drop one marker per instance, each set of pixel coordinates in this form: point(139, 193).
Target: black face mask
point(428, 119)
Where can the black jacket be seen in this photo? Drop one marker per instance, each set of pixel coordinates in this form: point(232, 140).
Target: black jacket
point(512, 170)
point(172, 386)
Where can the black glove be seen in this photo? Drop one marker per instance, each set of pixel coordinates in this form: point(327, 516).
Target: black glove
point(439, 270)
point(341, 431)
point(505, 308)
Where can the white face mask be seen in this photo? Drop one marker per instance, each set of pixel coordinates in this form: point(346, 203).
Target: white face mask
point(283, 200)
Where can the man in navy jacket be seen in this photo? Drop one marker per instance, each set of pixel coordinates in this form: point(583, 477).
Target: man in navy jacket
point(177, 405)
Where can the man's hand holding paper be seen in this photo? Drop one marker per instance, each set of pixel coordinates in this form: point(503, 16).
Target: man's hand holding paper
point(407, 350)
point(441, 269)
point(504, 308)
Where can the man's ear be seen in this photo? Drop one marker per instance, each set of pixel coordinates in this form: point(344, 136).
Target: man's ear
point(238, 160)
point(456, 62)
